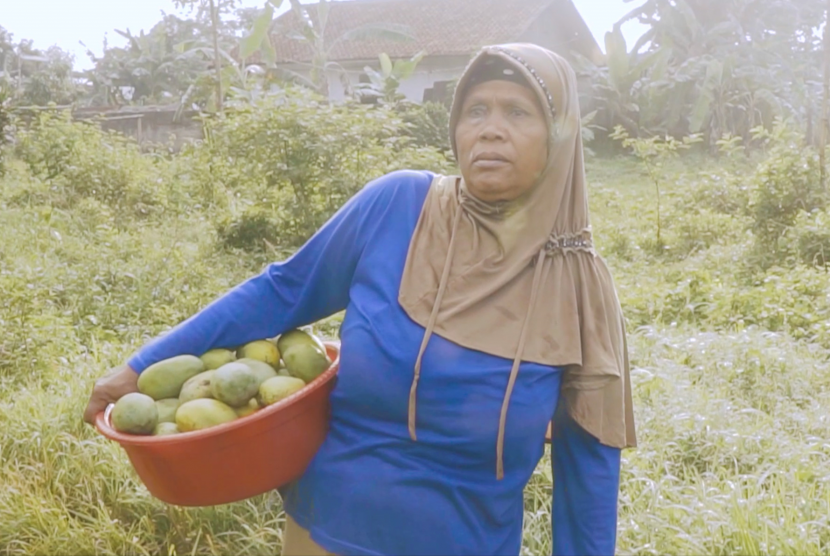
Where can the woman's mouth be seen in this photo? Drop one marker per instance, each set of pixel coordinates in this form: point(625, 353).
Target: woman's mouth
point(489, 161)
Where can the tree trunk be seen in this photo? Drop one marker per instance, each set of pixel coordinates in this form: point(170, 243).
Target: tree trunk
point(217, 58)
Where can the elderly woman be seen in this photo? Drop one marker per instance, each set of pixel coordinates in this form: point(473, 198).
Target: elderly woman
point(477, 313)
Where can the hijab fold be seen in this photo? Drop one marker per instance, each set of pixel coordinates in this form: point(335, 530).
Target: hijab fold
point(521, 279)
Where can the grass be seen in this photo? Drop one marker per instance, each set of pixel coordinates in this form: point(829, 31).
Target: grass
point(732, 418)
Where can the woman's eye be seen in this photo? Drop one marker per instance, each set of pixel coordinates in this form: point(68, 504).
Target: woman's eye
point(477, 111)
point(518, 112)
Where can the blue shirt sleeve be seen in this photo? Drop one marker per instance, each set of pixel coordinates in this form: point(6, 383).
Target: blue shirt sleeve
point(311, 285)
point(586, 481)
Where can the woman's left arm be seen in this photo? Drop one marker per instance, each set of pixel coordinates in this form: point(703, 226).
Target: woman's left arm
point(586, 480)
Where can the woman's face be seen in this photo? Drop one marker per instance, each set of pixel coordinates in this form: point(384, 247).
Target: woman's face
point(502, 140)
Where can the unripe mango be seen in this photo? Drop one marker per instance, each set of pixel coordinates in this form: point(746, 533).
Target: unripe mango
point(165, 378)
point(234, 384)
point(202, 414)
point(261, 350)
point(197, 387)
point(263, 371)
point(248, 409)
point(278, 388)
point(165, 429)
point(215, 358)
point(135, 413)
point(306, 361)
point(167, 409)
point(296, 337)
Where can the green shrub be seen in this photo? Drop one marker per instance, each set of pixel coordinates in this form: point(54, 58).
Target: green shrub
point(298, 159)
point(78, 160)
point(721, 192)
point(251, 230)
point(808, 239)
point(428, 125)
point(785, 184)
point(693, 228)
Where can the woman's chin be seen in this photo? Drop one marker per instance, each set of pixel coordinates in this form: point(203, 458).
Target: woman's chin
point(492, 191)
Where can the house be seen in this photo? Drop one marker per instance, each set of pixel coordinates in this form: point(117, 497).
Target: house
point(448, 31)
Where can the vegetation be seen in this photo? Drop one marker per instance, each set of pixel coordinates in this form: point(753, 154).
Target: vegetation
point(106, 246)
point(712, 216)
point(712, 67)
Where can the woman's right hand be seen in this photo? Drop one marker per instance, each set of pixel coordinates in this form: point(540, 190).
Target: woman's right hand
point(108, 389)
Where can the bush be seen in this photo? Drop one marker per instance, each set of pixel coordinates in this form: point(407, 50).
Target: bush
point(428, 125)
point(297, 159)
point(721, 192)
point(808, 239)
point(78, 160)
point(785, 184)
point(252, 230)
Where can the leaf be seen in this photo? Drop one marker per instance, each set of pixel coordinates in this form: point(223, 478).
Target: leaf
point(385, 64)
point(690, 18)
point(256, 35)
point(700, 113)
point(269, 53)
point(617, 57)
point(644, 39)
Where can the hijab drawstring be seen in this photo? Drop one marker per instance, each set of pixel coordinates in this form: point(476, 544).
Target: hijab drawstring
point(442, 286)
point(541, 268)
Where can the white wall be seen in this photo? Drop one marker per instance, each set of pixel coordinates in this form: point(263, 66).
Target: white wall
point(429, 71)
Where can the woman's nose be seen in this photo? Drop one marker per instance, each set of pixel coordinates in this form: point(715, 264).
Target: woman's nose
point(493, 130)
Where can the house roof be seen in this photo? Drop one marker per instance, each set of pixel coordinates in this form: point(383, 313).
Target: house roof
point(440, 27)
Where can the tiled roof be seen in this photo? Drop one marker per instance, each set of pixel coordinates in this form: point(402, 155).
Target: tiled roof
point(440, 27)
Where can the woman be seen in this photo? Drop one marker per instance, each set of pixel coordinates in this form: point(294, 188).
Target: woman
point(473, 305)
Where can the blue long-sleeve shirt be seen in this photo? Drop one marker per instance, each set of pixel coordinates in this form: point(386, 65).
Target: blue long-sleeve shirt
point(370, 489)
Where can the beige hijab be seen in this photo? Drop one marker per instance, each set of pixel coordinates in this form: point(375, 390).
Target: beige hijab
point(521, 280)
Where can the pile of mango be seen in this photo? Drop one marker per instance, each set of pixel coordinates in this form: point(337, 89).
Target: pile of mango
point(188, 393)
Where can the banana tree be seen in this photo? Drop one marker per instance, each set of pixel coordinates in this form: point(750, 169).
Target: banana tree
point(383, 85)
point(734, 63)
point(620, 86)
point(311, 30)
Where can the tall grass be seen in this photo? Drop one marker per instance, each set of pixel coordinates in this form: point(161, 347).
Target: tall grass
point(731, 400)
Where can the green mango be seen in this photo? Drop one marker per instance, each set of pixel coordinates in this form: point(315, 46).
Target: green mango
point(197, 387)
point(167, 409)
point(261, 350)
point(234, 384)
point(263, 371)
point(278, 388)
point(248, 409)
point(215, 358)
point(164, 429)
point(165, 378)
point(306, 361)
point(296, 337)
point(202, 414)
point(135, 413)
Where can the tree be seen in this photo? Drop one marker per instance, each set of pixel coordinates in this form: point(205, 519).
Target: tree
point(725, 67)
point(214, 10)
point(309, 26)
point(151, 65)
point(35, 77)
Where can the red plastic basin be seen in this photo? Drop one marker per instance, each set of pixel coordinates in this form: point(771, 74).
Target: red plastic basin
point(237, 460)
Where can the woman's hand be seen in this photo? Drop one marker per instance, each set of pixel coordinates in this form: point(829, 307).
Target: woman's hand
point(108, 389)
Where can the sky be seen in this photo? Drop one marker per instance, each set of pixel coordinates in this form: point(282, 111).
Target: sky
point(68, 23)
